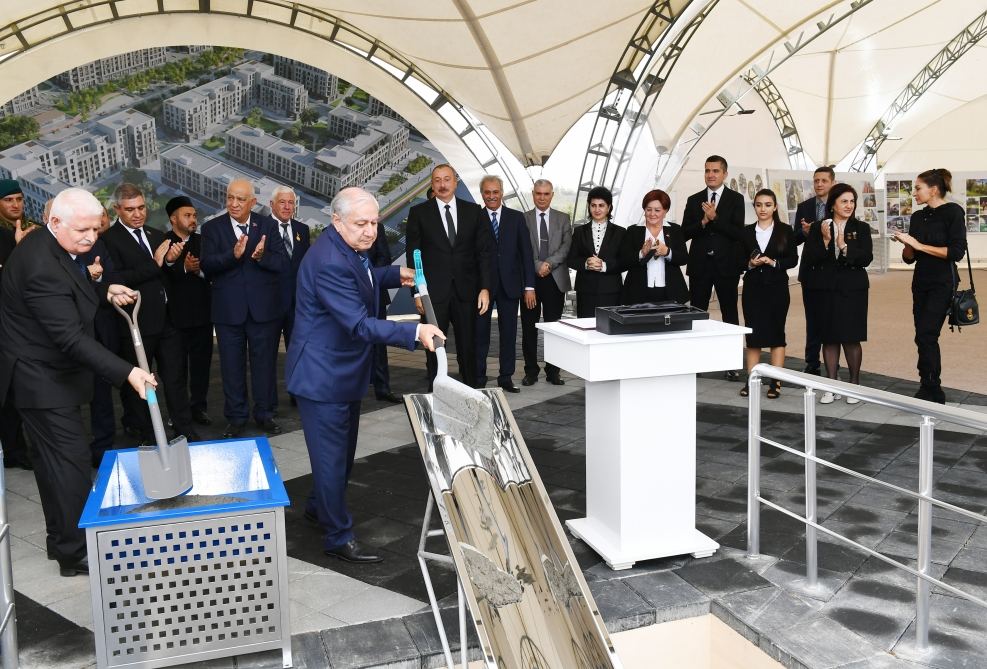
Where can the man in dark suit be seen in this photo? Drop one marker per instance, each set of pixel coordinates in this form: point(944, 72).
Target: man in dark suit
point(12, 231)
point(456, 245)
point(714, 221)
point(48, 307)
point(380, 256)
point(328, 365)
point(550, 233)
point(138, 253)
point(106, 327)
point(189, 303)
point(808, 212)
point(244, 259)
point(512, 273)
point(296, 238)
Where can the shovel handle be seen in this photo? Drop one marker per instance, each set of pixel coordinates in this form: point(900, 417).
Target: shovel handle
point(149, 391)
point(437, 341)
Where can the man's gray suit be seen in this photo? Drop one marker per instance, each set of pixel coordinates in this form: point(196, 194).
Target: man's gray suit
point(550, 290)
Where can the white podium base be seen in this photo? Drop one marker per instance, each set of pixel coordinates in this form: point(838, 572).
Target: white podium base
point(602, 541)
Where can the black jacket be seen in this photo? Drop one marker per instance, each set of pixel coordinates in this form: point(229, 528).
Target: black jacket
point(635, 283)
point(48, 307)
point(136, 269)
point(582, 249)
point(721, 235)
point(189, 302)
point(825, 271)
point(781, 248)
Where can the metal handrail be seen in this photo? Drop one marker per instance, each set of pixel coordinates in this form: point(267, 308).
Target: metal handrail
point(8, 623)
point(929, 413)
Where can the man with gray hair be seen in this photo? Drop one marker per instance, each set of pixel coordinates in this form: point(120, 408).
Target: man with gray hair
point(47, 307)
point(328, 365)
point(551, 237)
point(295, 236)
point(512, 275)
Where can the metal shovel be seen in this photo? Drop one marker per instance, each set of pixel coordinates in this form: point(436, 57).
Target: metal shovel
point(166, 468)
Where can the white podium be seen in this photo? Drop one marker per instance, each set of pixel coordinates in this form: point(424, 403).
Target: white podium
point(641, 433)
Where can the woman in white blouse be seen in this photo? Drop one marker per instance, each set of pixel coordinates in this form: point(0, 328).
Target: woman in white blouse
point(652, 255)
point(593, 255)
point(770, 248)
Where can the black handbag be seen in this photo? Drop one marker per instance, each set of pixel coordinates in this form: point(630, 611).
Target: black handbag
point(963, 309)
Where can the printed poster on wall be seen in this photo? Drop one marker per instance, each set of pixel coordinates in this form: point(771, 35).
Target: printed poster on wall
point(793, 187)
point(969, 191)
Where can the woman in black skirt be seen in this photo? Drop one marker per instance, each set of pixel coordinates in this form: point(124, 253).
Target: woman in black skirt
point(770, 246)
point(837, 252)
point(593, 255)
point(652, 255)
point(935, 242)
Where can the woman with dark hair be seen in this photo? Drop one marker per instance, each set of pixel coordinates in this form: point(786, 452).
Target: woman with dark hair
point(935, 242)
point(593, 255)
point(837, 253)
point(652, 254)
point(770, 246)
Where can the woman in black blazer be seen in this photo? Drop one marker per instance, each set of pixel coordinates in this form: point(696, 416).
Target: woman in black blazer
point(593, 255)
point(837, 253)
point(770, 246)
point(652, 254)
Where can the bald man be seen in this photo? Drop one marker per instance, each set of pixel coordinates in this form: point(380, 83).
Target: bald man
point(243, 258)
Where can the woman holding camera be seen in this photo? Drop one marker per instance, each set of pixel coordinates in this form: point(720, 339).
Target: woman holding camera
point(837, 253)
point(652, 255)
point(935, 242)
point(770, 246)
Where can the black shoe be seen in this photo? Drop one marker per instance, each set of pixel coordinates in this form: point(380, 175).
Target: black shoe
point(388, 397)
point(73, 567)
point(481, 382)
point(556, 380)
point(510, 388)
point(732, 375)
point(233, 430)
point(352, 552)
point(529, 379)
point(269, 425)
point(201, 417)
point(812, 369)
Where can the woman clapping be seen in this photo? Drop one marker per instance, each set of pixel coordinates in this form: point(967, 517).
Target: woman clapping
point(652, 255)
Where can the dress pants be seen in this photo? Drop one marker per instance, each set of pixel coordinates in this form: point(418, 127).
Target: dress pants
point(380, 374)
point(813, 336)
point(237, 343)
point(705, 277)
point(197, 348)
point(929, 309)
point(507, 328)
point(62, 471)
point(165, 349)
point(462, 315)
point(285, 328)
point(101, 412)
point(549, 304)
point(330, 433)
point(12, 434)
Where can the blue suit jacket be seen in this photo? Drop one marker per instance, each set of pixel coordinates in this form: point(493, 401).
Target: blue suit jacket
point(513, 261)
point(244, 286)
point(331, 350)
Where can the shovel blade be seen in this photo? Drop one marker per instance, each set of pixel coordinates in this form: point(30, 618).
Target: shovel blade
point(166, 470)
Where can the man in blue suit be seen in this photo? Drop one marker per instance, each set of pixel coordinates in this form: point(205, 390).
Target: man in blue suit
point(512, 272)
point(328, 364)
point(243, 258)
point(295, 236)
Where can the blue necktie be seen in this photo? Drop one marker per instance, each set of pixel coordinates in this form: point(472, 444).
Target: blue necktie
point(820, 210)
point(495, 224)
point(243, 229)
point(366, 265)
point(82, 266)
point(140, 240)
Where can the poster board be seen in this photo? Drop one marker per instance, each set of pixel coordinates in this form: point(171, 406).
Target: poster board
point(969, 191)
point(795, 186)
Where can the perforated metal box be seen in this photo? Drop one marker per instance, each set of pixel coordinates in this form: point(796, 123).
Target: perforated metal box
point(199, 577)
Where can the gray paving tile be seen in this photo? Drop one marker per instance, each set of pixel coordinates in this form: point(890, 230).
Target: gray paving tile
point(905, 544)
point(719, 577)
point(766, 609)
point(621, 607)
point(671, 596)
point(387, 643)
point(792, 577)
point(948, 649)
point(819, 642)
point(307, 652)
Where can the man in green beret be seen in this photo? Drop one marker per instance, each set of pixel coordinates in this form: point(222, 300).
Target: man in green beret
point(15, 451)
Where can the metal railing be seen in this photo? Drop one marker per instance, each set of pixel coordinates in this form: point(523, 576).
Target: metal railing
point(8, 615)
point(928, 414)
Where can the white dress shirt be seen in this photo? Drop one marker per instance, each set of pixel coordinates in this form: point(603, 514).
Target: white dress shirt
point(599, 232)
point(719, 194)
point(452, 210)
point(656, 265)
point(236, 227)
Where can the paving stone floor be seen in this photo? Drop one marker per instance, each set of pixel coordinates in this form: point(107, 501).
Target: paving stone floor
point(861, 614)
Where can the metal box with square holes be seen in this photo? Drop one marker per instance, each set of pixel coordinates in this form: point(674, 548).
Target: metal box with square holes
point(196, 577)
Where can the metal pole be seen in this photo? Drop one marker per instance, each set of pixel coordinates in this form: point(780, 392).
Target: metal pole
point(463, 650)
point(433, 603)
point(926, 444)
point(811, 547)
point(8, 636)
point(754, 466)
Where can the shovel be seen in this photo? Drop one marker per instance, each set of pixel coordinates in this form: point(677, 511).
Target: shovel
point(166, 469)
point(457, 410)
